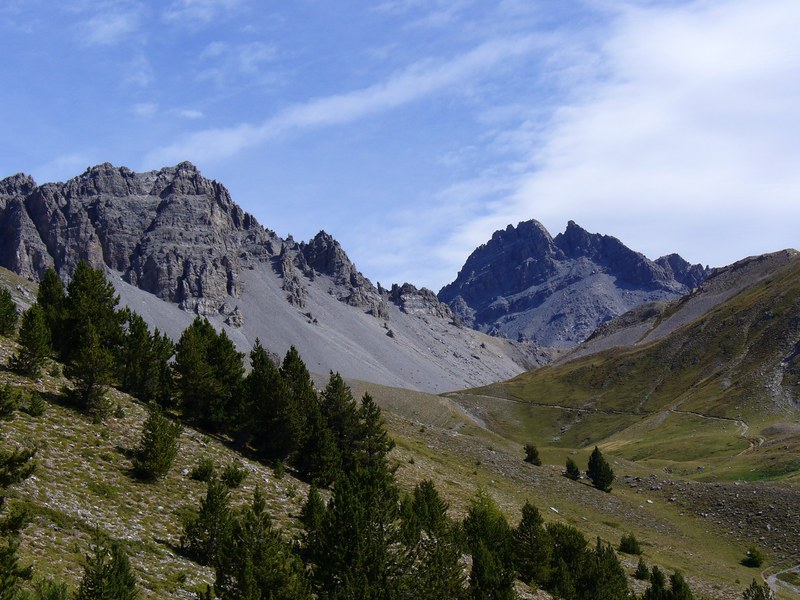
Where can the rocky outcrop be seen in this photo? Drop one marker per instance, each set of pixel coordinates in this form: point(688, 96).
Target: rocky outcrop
point(422, 301)
point(524, 284)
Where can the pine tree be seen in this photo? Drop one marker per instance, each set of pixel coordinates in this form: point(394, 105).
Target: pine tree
point(340, 413)
point(569, 547)
point(436, 572)
point(107, 573)
point(358, 552)
point(758, 592)
point(533, 548)
point(51, 299)
point(205, 535)
point(256, 563)
point(599, 471)
point(603, 577)
point(158, 446)
point(264, 409)
point(642, 572)
point(311, 517)
point(89, 312)
point(301, 398)
point(15, 466)
point(563, 582)
point(658, 586)
point(9, 402)
point(572, 470)
point(532, 455)
point(372, 443)
point(318, 461)
point(91, 371)
point(34, 343)
point(8, 313)
point(490, 541)
point(679, 589)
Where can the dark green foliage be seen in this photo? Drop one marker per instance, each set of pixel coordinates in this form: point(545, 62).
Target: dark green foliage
point(50, 590)
point(256, 563)
point(753, 558)
point(158, 446)
point(569, 545)
point(206, 534)
point(318, 461)
point(490, 542)
point(679, 589)
point(89, 314)
point(267, 411)
point(107, 573)
point(142, 361)
point(339, 411)
point(603, 577)
point(599, 471)
point(35, 405)
point(15, 466)
point(758, 592)
point(91, 370)
point(300, 396)
point(9, 402)
point(436, 572)
point(629, 544)
point(357, 552)
point(204, 470)
point(658, 586)
point(532, 455)
point(562, 584)
point(312, 515)
point(8, 313)
point(34, 343)
point(642, 572)
point(233, 475)
point(372, 443)
point(209, 370)
point(533, 548)
point(51, 299)
point(572, 470)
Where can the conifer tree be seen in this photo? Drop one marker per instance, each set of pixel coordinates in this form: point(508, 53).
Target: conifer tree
point(158, 446)
point(9, 402)
point(572, 470)
point(532, 455)
point(358, 552)
point(256, 563)
point(658, 586)
point(679, 589)
point(340, 413)
point(34, 343)
point(91, 371)
point(311, 517)
point(301, 397)
point(89, 312)
point(533, 548)
point(8, 313)
point(758, 592)
point(490, 542)
point(563, 582)
point(642, 572)
point(318, 461)
point(15, 466)
point(205, 535)
point(107, 573)
point(569, 547)
point(51, 299)
point(143, 361)
point(436, 572)
point(599, 471)
point(603, 577)
point(264, 415)
point(372, 443)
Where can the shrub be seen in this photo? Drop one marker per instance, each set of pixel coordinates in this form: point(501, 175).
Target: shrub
point(532, 455)
point(758, 592)
point(233, 475)
point(158, 446)
point(35, 406)
point(754, 558)
point(9, 402)
point(204, 470)
point(629, 544)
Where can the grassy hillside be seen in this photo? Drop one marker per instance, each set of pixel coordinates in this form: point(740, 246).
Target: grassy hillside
point(720, 393)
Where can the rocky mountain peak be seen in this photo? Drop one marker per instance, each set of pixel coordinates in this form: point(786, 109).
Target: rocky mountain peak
point(16, 186)
point(525, 284)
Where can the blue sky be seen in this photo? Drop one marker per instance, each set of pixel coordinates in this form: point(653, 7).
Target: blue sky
point(412, 129)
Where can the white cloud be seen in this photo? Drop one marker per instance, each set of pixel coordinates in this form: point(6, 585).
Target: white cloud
point(145, 109)
point(111, 25)
point(138, 72)
point(225, 63)
point(191, 114)
point(62, 167)
point(200, 11)
point(420, 80)
point(686, 138)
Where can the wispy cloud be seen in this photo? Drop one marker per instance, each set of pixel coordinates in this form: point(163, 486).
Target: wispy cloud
point(113, 23)
point(138, 72)
point(420, 80)
point(225, 63)
point(686, 134)
point(193, 12)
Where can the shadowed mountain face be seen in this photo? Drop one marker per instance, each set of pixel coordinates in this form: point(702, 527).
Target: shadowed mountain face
point(524, 284)
point(175, 245)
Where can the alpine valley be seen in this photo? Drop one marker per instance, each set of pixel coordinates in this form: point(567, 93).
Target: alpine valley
point(686, 378)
